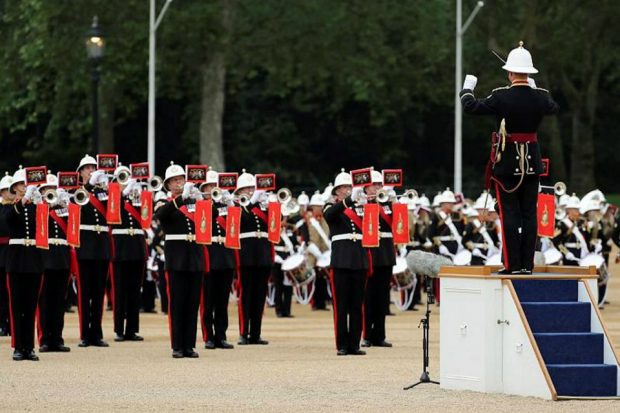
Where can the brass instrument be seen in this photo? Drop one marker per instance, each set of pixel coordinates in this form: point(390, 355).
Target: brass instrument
point(559, 188)
point(410, 194)
point(123, 177)
point(80, 196)
point(50, 196)
point(155, 184)
point(382, 196)
point(284, 195)
point(243, 200)
point(217, 194)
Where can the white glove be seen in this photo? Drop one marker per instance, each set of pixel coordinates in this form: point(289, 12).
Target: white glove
point(278, 260)
point(94, 177)
point(598, 247)
point(196, 194)
point(531, 82)
point(256, 196)
point(63, 197)
point(443, 250)
point(477, 253)
point(187, 190)
point(470, 82)
point(130, 187)
point(314, 250)
point(30, 191)
point(492, 251)
point(570, 256)
point(357, 194)
point(402, 251)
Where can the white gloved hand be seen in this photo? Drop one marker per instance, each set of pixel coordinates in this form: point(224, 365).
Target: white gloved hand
point(470, 82)
point(443, 250)
point(598, 247)
point(314, 250)
point(187, 190)
point(196, 194)
point(278, 260)
point(402, 251)
point(257, 196)
point(477, 253)
point(30, 191)
point(357, 194)
point(531, 82)
point(570, 256)
point(94, 177)
point(63, 197)
point(36, 198)
point(130, 187)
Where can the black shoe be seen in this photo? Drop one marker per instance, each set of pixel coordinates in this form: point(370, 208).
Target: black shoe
point(100, 343)
point(224, 344)
point(341, 352)
point(44, 348)
point(119, 338)
point(366, 343)
point(190, 353)
point(18, 355)
point(259, 341)
point(210, 345)
point(526, 272)
point(30, 355)
point(177, 354)
point(504, 271)
point(357, 352)
point(243, 341)
point(383, 344)
point(84, 343)
point(288, 316)
point(61, 348)
point(133, 337)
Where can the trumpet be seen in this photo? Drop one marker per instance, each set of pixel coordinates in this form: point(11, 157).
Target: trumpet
point(559, 188)
point(80, 197)
point(155, 183)
point(243, 200)
point(217, 194)
point(382, 196)
point(292, 207)
point(410, 194)
point(50, 196)
point(284, 195)
point(123, 177)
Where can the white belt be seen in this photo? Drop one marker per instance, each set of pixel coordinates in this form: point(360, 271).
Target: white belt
point(445, 238)
point(181, 237)
point(253, 234)
point(347, 237)
point(57, 241)
point(572, 245)
point(386, 235)
point(95, 228)
point(127, 231)
point(218, 240)
point(22, 241)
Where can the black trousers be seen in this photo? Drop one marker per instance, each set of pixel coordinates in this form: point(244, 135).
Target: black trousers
point(348, 295)
point(149, 292)
point(184, 289)
point(519, 223)
point(319, 298)
point(214, 305)
point(91, 282)
point(24, 290)
point(283, 293)
point(5, 323)
point(376, 301)
point(252, 292)
point(52, 307)
point(162, 285)
point(126, 283)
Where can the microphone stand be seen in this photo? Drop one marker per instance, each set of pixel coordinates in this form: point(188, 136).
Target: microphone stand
point(425, 323)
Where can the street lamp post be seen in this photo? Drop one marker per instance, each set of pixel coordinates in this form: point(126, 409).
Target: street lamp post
point(153, 25)
point(94, 48)
point(458, 75)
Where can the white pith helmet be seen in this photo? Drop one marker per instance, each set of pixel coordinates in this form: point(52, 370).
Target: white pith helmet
point(520, 61)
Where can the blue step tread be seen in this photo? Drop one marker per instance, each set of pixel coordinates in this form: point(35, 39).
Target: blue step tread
point(546, 290)
point(592, 380)
point(571, 348)
point(557, 317)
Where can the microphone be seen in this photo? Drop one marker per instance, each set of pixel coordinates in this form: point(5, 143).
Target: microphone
point(426, 263)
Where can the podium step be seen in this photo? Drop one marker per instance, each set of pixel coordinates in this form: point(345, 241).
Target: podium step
point(558, 317)
point(546, 290)
point(583, 380)
point(571, 348)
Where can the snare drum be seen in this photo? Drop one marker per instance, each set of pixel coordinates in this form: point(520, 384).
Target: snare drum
point(323, 263)
point(401, 273)
point(295, 268)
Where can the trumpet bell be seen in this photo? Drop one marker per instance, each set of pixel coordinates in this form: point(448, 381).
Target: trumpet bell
point(81, 197)
point(411, 194)
point(123, 177)
point(559, 188)
point(284, 195)
point(156, 184)
point(217, 194)
point(382, 196)
point(243, 200)
point(50, 196)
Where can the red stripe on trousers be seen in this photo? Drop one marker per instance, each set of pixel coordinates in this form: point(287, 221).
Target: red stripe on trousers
point(240, 305)
point(333, 284)
point(79, 290)
point(167, 275)
point(8, 287)
point(38, 312)
point(501, 218)
point(203, 325)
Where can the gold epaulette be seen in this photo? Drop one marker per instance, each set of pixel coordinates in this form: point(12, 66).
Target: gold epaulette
point(500, 88)
point(544, 90)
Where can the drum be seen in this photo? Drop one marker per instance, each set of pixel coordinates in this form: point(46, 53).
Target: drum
point(495, 259)
point(295, 268)
point(592, 260)
point(552, 256)
point(404, 278)
point(462, 258)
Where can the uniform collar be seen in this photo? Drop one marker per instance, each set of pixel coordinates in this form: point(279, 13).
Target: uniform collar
point(519, 83)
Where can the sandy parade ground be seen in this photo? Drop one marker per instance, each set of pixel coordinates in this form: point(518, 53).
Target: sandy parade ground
point(297, 371)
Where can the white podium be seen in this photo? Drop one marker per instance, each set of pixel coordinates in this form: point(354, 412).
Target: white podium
point(486, 343)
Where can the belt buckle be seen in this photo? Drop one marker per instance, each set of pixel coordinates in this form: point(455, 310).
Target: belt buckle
point(259, 234)
point(190, 237)
point(131, 231)
point(98, 229)
point(29, 242)
point(352, 237)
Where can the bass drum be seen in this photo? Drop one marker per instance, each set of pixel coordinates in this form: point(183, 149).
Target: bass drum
point(462, 258)
point(552, 256)
point(403, 277)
